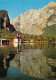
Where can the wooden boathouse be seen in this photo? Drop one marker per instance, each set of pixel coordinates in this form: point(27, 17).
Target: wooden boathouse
point(4, 41)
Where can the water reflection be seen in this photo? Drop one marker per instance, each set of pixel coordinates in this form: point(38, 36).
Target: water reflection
point(35, 60)
point(17, 46)
point(5, 58)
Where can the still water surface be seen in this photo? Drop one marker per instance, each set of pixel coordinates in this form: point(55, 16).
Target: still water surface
point(28, 62)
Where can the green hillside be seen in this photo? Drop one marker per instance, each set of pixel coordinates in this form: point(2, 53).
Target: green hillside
point(50, 30)
point(7, 34)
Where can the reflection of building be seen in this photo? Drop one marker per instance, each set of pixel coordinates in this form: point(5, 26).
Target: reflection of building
point(17, 46)
point(17, 38)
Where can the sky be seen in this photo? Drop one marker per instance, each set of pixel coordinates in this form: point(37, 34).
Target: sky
point(17, 7)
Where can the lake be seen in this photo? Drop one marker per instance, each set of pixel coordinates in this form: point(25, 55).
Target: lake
point(32, 61)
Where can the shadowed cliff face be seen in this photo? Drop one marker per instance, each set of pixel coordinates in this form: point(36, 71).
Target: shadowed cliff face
point(33, 21)
point(5, 21)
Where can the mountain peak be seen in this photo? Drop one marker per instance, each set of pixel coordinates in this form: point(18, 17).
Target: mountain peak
point(34, 21)
point(52, 4)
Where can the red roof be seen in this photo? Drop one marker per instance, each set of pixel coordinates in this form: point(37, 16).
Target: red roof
point(15, 37)
point(18, 33)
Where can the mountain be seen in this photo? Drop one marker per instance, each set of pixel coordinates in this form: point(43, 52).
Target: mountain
point(34, 21)
point(5, 21)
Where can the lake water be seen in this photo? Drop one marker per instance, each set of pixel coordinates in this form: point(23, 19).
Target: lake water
point(32, 61)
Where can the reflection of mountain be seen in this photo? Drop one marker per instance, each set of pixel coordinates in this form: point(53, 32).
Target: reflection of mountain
point(50, 53)
point(5, 58)
point(33, 62)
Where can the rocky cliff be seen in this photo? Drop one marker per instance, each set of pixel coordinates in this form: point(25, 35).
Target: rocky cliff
point(33, 21)
point(5, 21)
